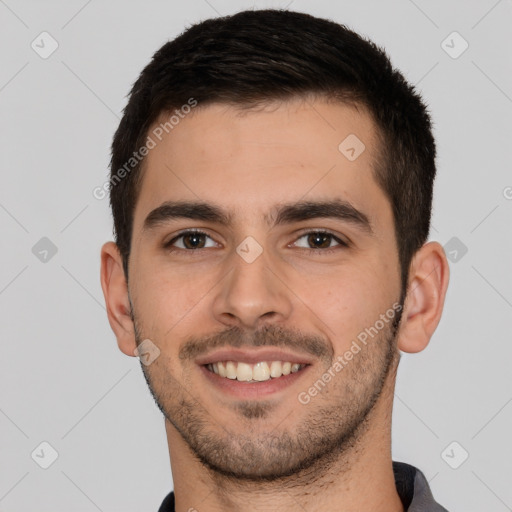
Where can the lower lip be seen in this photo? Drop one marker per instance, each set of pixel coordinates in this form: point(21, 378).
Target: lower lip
point(249, 390)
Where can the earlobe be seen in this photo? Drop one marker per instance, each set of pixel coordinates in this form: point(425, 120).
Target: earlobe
point(115, 291)
point(428, 282)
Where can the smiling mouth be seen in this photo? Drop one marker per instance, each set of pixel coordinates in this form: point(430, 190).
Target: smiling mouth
point(258, 372)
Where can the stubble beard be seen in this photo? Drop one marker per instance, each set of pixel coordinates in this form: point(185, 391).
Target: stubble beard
point(326, 436)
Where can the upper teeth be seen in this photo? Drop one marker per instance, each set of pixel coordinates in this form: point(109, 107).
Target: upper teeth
point(258, 372)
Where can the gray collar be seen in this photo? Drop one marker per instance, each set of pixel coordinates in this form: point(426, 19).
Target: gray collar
point(413, 489)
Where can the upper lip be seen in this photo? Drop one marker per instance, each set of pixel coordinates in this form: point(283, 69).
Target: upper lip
point(252, 356)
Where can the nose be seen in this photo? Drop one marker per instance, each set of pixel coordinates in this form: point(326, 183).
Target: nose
point(252, 294)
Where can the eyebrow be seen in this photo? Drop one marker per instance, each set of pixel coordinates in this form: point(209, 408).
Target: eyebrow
point(283, 214)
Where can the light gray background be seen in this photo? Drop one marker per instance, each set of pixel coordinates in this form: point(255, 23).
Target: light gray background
point(63, 379)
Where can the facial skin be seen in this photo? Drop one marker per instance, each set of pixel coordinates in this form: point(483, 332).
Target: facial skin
point(312, 304)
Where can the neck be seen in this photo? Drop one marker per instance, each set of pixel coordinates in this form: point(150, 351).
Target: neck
point(358, 478)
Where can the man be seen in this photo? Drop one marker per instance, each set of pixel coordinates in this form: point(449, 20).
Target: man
point(271, 187)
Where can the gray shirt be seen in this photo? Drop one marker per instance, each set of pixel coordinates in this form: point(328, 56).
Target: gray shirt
point(413, 489)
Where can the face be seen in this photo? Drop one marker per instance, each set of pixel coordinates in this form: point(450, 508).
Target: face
point(264, 267)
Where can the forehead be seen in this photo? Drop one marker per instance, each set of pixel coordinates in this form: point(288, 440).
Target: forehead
point(250, 161)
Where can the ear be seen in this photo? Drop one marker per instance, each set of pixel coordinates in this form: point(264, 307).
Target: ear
point(428, 281)
point(115, 290)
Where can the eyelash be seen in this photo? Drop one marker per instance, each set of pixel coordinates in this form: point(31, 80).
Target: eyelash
point(169, 245)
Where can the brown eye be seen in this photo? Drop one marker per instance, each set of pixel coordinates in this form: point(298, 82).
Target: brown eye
point(321, 242)
point(189, 240)
point(193, 240)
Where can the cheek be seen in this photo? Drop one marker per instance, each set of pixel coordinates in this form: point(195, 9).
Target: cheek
point(169, 302)
point(350, 300)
